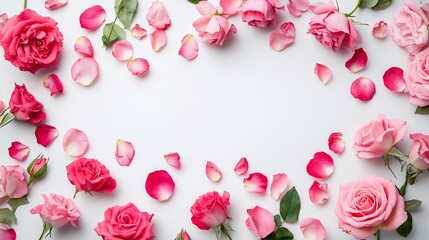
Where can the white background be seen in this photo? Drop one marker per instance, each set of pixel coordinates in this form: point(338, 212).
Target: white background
point(241, 99)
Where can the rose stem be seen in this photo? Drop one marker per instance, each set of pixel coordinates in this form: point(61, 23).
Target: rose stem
point(25, 4)
point(354, 10)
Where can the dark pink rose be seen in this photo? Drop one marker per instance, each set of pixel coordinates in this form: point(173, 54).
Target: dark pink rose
point(209, 210)
point(25, 107)
point(7, 233)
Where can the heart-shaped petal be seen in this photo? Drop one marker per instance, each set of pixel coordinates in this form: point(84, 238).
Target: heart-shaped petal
point(54, 4)
point(122, 50)
point(394, 80)
point(297, 7)
point(380, 30)
point(256, 183)
point(260, 222)
point(323, 73)
point(83, 46)
point(279, 186)
point(318, 193)
point(138, 32)
point(284, 37)
point(358, 61)
point(336, 142)
point(363, 89)
point(124, 153)
point(159, 185)
point(85, 71)
point(75, 142)
point(241, 167)
point(138, 66)
point(7, 233)
point(53, 83)
point(312, 229)
point(45, 134)
point(158, 39)
point(173, 159)
point(321, 165)
point(213, 172)
point(18, 151)
point(92, 17)
point(158, 16)
point(230, 7)
point(189, 47)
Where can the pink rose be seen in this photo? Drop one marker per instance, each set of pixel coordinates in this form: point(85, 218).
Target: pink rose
point(357, 212)
point(419, 152)
point(25, 107)
point(7, 233)
point(12, 183)
point(57, 211)
point(378, 136)
point(260, 222)
point(409, 29)
point(90, 175)
point(417, 78)
point(332, 28)
point(1, 107)
point(31, 42)
point(260, 13)
point(125, 223)
point(209, 210)
point(38, 167)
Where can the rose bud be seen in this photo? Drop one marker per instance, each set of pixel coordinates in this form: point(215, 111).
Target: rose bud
point(183, 235)
point(37, 168)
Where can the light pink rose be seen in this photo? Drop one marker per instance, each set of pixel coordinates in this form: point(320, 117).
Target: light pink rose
point(260, 222)
point(419, 152)
point(12, 183)
point(378, 136)
point(25, 107)
point(57, 211)
point(367, 205)
point(409, 28)
point(260, 13)
point(125, 223)
point(417, 78)
point(332, 28)
point(209, 210)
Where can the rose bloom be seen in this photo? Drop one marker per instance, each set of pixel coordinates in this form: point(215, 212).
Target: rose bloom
point(409, 28)
point(417, 78)
point(419, 152)
point(25, 107)
point(31, 42)
point(12, 183)
point(214, 30)
point(332, 28)
point(378, 136)
point(57, 211)
point(260, 13)
point(90, 175)
point(209, 210)
point(125, 222)
point(369, 204)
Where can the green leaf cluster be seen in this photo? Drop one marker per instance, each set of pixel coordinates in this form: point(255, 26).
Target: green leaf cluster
point(375, 4)
point(195, 1)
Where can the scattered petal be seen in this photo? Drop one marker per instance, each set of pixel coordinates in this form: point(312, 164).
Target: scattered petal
point(92, 17)
point(159, 185)
point(138, 66)
point(312, 229)
point(205, 8)
point(75, 142)
point(363, 89)
point(18, 151)
point(158, 16)
point(323, 73)
point(213, 172)
point(318, 193)
point(53, 83)
point(158, 39)
point(241, 167)
point(260, 222)
point(54, 4)
point(7, 233)
point(1, 107)
point(3, 20)
point(138, 32)
point(284, 37)
point(256, 183)
point(85, 71)
point(230, 7)
point(189, 48)
point(122, 50)
point(83, 46)
point(279, 186)
point(336, 142)
point(124, 152)
point(45, 134)
point(380, 30)
point(358, 61)
point(394, 80)
point(173, 159)
point(321, 166)
point(297, 7)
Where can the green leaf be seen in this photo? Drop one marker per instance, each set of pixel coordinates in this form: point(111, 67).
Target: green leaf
point(7, 118)
point(368, 3)
point(290, 205)
point(412, 205)
point(111, 33)
point(382, 4)
point(125, 10)
point(405, 229)
point(195, 1)
point(7, 216)
point(17, 202)
point(283, 234)
point(422, 110)
point(218, 232)
point(278, 220)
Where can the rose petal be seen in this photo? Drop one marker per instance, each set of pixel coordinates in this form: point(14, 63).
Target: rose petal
point(138, 32)
point(54, 4)
point(83, 46)
point(189, 48)
point(260, 222)
point(53, 83)
point(336, 142)
point(321, 166)
point(85, 71)
point(158, 39)
point(256, 183)
point(363, 89)
point(159, 185)
point(213, 172)
point(279, 186)
point(1, 107)
point(45, 134)
point(158, 16)
point(138, 66)
point(18, 151)
point(205, 8)
point(3, 20)
point(297, 7)
point(7, 233)
point(312, 229)
point(323, 73)
point(75, 142)
point(284, 37)
point(241, 167)
point(318, 193)
point(122, 50)
point(358, 61)
point(380, 30)
point(230, 7)
point(92, 17)
point(124, 152)
point(394, 80)
point(173, 159)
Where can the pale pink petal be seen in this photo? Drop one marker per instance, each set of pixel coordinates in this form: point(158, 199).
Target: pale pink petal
point(1, 107)
point(323, 73)
point(205, 8)
point(230, 7)
point(54, 4)
point(3, 20)
point(173, 159)
point(122, 50)
point(53, 83)
point(284, 37)
point(75, 142)
point(189, 48)
point(158, 39)
point(18, 151)
point(85, 71)
point(83, 46)
point(380, 30)
point(358, 61)
point(363, 89)
point(394, 80)
point(241, 167)
point(138, 32)
point(297, 7)
point(256, 183)
point(45, 134)
point(159, 185)
point(213, 172)
point(321, 166)
point(260, 222)
point(279, 186)
point(124, 153)
point(318, 193)
point(158, 16)
point(138, 66)
point(7, 233)
point(92, 17)
point(336, 142)
point(312, 229)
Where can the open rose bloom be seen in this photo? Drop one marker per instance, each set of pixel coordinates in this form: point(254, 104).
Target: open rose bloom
point(12, 183)
point(419, 152)
point(25, 107)
point(417, 78)
point(260, 13)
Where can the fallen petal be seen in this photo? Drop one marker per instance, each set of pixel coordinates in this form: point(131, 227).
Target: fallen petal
point(189, 48)
point(256, 183)
point(92, 17)
point(358, 61)
point(158, 16)
point(7, 233)
point(83, 46)
point(122, 50)
point(323, 73)
point(321, 166)
point(173, 159)
point(260, 222)
point(138, 66)
point(230, 7)
point(336, 142)
point(3, 20)
point(53, 83)
point(18, 151)
point(241, 167)
point(213, 172)
point(158, 39)
point(284, 37)
point(138, 32)
point(205, 8)
point(363, 89)
point(312, 229)
point(318, 193)
point(297, 7)
point(159, 185)
point(279, 186)
point(124, 152)
point(54, 4)
point(45, 134)
point(394, 80)
point(85, 71)
point(380, 30)
point(75, 142)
